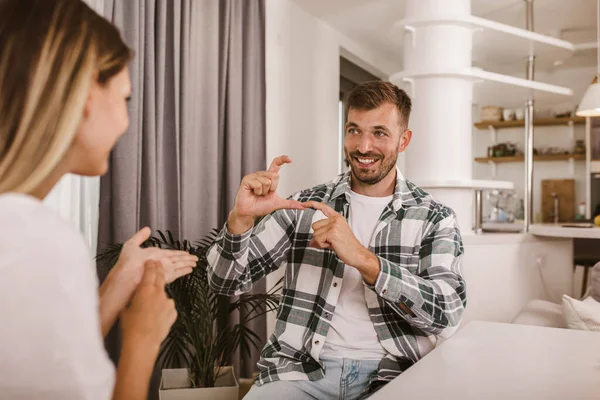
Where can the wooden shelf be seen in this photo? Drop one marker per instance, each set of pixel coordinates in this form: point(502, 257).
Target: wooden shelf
point(470, 184)
point(558, 157)
point(537, 122)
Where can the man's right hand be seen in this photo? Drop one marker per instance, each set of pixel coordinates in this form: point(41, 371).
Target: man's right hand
point(256, 197)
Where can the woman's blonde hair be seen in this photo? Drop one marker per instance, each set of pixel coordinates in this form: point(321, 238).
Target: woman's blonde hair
point(51, 52)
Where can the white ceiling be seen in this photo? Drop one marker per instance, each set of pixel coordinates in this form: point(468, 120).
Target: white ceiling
point(369, 22)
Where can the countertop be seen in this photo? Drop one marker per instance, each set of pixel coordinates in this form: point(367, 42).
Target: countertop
point(559, 230)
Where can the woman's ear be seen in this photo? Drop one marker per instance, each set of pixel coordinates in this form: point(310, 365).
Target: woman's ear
point(87, 108)
point(89, 101)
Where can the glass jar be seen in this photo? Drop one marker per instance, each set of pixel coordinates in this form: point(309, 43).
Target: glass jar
point(579, 147)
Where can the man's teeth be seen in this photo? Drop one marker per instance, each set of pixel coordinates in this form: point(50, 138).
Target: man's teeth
point(366, 160)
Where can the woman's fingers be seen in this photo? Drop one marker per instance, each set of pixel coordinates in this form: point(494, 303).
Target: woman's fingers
point(152, 272)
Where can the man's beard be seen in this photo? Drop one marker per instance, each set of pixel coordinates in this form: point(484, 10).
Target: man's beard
point(386, 164)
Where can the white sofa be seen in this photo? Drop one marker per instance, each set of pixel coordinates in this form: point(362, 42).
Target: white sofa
point(541, 313)
point(571, 313)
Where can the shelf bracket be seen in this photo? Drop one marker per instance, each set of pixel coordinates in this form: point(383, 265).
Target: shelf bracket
point(493, 168)
point(413, 33)
point(476, 30)
point(493, 134)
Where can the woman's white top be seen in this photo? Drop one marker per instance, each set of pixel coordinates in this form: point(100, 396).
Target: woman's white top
point(51, 345)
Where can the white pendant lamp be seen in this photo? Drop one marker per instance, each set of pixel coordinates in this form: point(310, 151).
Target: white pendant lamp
point(590, 103)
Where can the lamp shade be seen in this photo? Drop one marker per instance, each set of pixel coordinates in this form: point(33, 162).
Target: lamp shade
point(590, 104)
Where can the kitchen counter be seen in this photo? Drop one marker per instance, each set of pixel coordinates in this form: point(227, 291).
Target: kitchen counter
point(560, 231)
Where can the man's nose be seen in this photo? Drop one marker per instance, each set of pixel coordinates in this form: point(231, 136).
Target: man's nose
point(365, 144)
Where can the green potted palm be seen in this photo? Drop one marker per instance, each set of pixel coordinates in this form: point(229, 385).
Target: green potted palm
point(194, 356)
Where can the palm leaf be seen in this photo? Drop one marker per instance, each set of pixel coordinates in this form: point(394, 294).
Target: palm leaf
point(110, 255)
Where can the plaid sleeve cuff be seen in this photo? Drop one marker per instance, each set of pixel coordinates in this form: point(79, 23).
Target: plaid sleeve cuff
point(389, 281)
point(390, 287)
point(234, 244)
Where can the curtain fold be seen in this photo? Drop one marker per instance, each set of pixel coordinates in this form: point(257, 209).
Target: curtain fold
point(197, 122)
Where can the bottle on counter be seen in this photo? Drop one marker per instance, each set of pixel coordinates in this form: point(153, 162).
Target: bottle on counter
point(580, 211)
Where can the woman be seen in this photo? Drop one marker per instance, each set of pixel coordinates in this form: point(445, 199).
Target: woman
point(64, 85)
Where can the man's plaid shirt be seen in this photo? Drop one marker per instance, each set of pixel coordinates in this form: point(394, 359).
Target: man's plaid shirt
point(419, 247)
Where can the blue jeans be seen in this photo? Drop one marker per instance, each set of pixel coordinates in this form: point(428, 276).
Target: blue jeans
point(344, 379)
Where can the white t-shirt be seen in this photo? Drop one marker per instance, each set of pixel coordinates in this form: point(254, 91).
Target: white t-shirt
point(51, 344)
point(352, 334)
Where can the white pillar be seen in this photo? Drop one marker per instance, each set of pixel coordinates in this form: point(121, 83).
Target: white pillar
point(441, 120)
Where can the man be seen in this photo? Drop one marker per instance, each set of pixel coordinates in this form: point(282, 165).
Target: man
point(372, 263)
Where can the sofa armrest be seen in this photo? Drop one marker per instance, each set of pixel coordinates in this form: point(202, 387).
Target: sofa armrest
point(541, 313)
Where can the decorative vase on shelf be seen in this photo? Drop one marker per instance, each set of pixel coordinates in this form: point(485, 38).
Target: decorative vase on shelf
point(579, 147)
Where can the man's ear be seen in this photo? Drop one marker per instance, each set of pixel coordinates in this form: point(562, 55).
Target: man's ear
point(405, 138)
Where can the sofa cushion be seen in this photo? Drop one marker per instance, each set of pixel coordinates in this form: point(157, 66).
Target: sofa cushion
point(541, 313)
point(583, 315)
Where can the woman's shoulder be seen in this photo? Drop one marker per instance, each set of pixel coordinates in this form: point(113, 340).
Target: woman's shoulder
point(20, 210)
point(32, 230)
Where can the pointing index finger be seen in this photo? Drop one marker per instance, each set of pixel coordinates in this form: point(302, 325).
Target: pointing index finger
point(278, 162)
point(324, 208)
point(150, 272)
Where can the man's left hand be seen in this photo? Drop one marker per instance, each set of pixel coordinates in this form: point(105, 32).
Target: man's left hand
point(335, 233)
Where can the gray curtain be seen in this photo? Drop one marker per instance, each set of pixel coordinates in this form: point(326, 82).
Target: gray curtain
point(197, 121)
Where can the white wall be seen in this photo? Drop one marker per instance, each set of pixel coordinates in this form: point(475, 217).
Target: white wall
point(302, 67)
point(578, 79)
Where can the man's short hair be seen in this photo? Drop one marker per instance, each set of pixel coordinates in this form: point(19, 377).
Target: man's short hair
point(370, 95)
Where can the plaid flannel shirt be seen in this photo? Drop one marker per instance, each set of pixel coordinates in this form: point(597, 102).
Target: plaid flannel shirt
point(419, 247)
